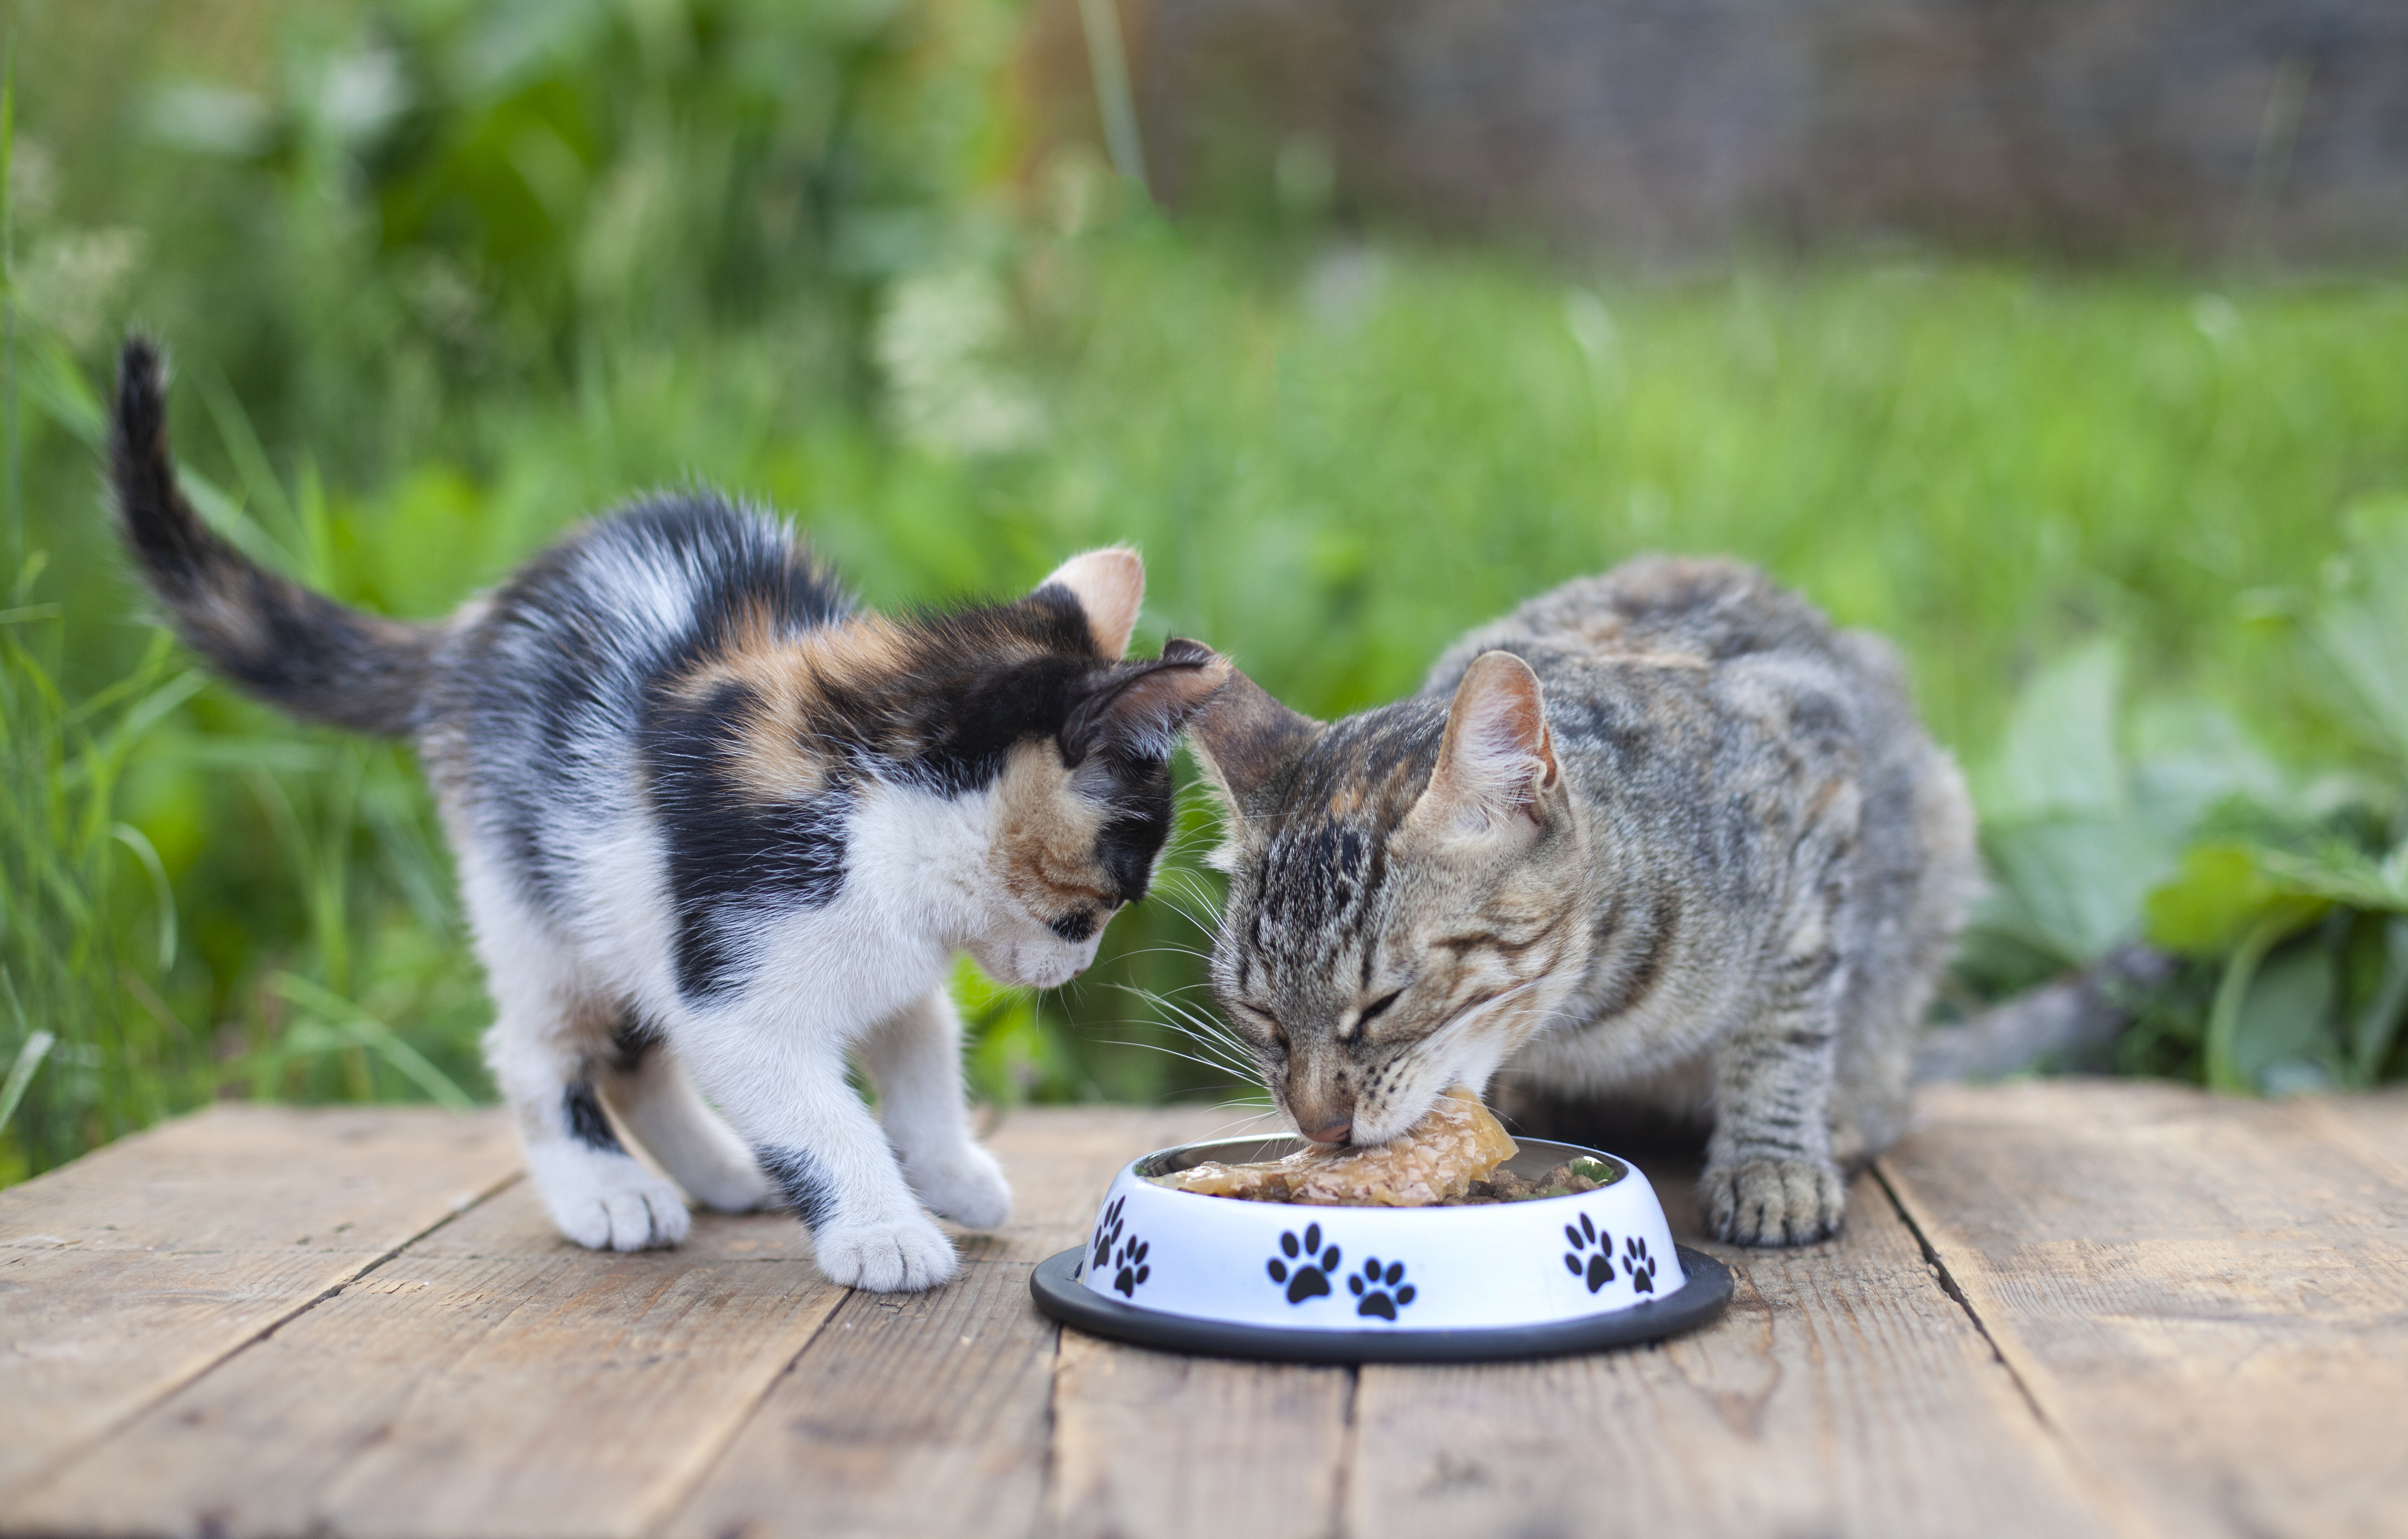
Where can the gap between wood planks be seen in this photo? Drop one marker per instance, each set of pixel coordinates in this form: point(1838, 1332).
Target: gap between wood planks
point(1949, 1286)
point(2112, 1501)
point(1335, 1520)
point(708, 1465)
point(169, 1388)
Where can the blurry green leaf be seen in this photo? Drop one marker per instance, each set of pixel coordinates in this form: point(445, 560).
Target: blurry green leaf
point(2376, 1026)
point(2363, 628)
point(2273, 1027)
point(2222, 892)
point(2071, 886)
point(2188, 756)
point(2060, 755)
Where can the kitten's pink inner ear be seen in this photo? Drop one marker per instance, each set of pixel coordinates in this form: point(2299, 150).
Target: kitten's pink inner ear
point(1498, 755)
point(1110, 584)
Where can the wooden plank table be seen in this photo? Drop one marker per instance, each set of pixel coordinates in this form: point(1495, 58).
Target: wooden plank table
point(2061, 1308)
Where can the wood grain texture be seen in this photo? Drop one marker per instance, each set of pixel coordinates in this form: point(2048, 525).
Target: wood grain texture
point(1150, 1444)
point(2376, 1125)
point(136, 1268)
point(1166, 1446)
point(499, 1382)
point(2198, 1303)
point(1060, 1160)
point(930, 1413)
point(1843, 1392)
point(2203, 1295)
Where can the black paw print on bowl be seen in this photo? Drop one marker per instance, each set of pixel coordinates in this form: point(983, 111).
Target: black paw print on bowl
point(1383, 1293)
point(1308, 1278)
point(1108, 1235)
point(1130, 1259)
point(1591, 1257)
point(1638, 1264)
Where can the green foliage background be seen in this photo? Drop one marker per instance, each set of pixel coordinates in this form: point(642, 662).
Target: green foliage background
point(442, 276)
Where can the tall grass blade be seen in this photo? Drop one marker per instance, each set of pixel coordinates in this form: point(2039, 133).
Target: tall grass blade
point(356, 1027)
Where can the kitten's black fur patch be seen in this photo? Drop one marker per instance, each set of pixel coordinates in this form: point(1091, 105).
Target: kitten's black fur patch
point(587, 1122)
point(799, 1175)
point(632, 1041)
point(728, 854)
point(625, 671)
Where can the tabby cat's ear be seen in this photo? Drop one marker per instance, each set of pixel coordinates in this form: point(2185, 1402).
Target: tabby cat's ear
point(1245, 741)
point(1110, 586)
point(1496, 765)
point(1139, 709)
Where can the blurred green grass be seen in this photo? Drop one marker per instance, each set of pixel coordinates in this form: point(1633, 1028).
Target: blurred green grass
point(441, 276)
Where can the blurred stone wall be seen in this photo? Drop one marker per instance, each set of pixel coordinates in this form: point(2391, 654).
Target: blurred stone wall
point(1672, 129)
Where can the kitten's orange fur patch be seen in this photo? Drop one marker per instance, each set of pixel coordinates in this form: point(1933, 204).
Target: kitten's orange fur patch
point(788, 680)
point(1045, 834)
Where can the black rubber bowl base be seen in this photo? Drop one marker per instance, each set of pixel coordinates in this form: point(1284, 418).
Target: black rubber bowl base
point(1056, 1286)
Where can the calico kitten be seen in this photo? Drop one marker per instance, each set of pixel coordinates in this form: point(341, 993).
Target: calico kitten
point(1661, 835)
point(711, 817)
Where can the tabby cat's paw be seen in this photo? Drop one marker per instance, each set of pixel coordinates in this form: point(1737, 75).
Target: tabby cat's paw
point(967, 1185)
point(900, 1258)
point(1772, 1203)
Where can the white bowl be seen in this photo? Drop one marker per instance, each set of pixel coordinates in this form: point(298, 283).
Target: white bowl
point(1340, 1284)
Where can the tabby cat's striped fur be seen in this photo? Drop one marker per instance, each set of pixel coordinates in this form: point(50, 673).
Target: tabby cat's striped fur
point(1662, 836)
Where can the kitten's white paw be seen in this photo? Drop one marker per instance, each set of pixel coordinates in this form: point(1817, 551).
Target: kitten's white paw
point(1773, 1202)
point(616, 1209)
point(732, 1189)
point(966, 1185)
point(900, 1258)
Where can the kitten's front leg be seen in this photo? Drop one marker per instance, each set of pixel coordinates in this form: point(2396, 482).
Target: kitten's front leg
point(1769, 1178)
point(820, 1146)
point(915, 1057)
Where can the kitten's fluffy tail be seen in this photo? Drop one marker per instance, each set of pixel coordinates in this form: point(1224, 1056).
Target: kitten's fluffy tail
point(297, 650)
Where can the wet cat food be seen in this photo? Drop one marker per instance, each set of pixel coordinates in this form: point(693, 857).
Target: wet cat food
point(1445, 1158)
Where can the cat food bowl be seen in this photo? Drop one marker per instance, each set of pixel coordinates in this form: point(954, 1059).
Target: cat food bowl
point(1190, 1272)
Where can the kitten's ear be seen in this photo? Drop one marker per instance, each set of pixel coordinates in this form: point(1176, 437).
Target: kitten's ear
point(1110, 586)
point(1141, 707)
point(1243, 740)
point(1496, 763)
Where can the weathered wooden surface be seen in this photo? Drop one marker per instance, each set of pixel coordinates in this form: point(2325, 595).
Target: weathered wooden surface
point(2208, 1299)
point(930, 1414)
point(2056, 1309)
point(128, 1274)
point(1844, 1392)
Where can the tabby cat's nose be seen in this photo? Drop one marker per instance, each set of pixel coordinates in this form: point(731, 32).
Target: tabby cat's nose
point(1334, 1133)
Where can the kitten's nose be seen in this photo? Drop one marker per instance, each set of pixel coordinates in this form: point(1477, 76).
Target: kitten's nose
point(1334, 1133)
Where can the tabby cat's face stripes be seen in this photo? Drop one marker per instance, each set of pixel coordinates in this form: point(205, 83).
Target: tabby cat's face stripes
point(1375, 954)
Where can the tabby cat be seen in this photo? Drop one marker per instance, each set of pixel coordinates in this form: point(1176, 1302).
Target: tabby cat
point(711, 817)
point(1661, 838)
